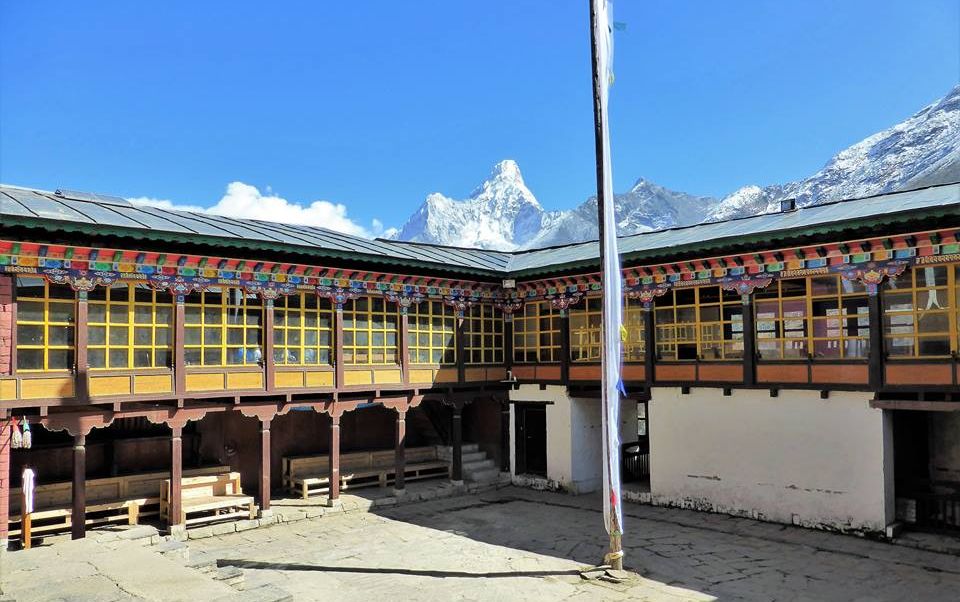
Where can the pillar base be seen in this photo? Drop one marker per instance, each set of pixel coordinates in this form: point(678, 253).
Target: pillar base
point(337, 503)
point(456, 483)
point(178, 532)
point(268, 513)
point(400, 493)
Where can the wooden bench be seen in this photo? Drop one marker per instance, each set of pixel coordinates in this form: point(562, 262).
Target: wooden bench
point(310, 474)
point(120, 499)
point(209, 498)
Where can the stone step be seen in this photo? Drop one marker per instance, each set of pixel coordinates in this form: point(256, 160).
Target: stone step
point(446, 452)
point(476, 465)
point(229, 575)
point(491, 475)
point(264, 593)
point(476, 456)
point(202, 561)
point(172, 548)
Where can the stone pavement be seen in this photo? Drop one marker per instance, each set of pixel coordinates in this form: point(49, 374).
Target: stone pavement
point(508, 544)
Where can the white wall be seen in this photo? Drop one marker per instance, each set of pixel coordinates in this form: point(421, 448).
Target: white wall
point(574, 437)
point(794, 458)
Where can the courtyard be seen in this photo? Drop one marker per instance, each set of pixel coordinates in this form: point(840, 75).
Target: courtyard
point(506, 544)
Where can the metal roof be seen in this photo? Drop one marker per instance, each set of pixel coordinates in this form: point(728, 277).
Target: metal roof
point(88, 212)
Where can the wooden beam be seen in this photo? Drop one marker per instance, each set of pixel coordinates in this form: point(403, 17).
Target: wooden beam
point(649, 345)
point(405, 347)
point(565, 346)
point(78, 515)
point(81, 387)
point(400, 451)
point(269, 366)
point(875, 358)
point(264, 467)
point(456, 442)
point(179, 357)
point(460, 344)
point(749, 341)
point(175, 518)
point(333, 457)
point(338, 364)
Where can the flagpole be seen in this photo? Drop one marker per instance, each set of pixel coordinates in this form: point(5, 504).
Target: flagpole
point(601, 137)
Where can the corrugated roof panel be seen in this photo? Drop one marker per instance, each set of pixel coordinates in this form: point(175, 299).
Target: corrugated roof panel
point(10, 206)
point(46, 207)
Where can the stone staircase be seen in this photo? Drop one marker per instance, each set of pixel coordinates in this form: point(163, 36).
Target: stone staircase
point(477, 467)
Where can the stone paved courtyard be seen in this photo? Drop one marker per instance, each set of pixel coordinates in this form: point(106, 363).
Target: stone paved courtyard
point(510, 544)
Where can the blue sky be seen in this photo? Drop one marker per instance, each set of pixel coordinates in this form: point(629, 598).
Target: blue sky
point(376, 104)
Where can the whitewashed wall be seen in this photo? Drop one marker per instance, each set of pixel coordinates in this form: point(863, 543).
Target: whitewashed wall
point(794, 458)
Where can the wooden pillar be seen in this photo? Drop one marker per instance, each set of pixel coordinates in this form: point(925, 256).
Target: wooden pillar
point(264, 466)
point(5, 432)
point(749, 342)
point(333, 455)
point(456, 442)
point(400, 451)
point(179, 359)
point(175, 510)
point(875, 358)
point(338, 347)
point(649, 345)
point(405, 346)
point(269, 366)
point(505, 436)
point(460, 342)
point(78, 516)
point(80, 344)
point(508, 341)
point(565, 346)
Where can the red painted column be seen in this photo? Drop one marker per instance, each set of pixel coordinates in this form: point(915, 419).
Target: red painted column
point(175, 510)
point(333, 454)
point(400, 451)
point(4, 482)
point(78, 516)
point(264, 467)
point(6, 324)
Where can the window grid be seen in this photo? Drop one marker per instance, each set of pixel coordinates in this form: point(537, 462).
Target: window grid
point(483, 335)
point(839, 324)
point(676, 324)
point(781, 319)
point(585, 330)
point(302, 330)
point(635, 320)
point(536, 334)
point(45, 325)
point(222, 328)
point(720, 317)
point(129, 325)
point(432, 333)
point(369, 332)
point(920, 313)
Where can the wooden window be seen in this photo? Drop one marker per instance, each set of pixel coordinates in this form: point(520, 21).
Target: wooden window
point(369, 332)
point(720, 323)
point(635, 320)
point(676, 324)
point(839, 318)
point(781, 317)
point(432, 333)
point(536, 334)
point(45, 325)
point(919, 317)
point(302, 330)
point(585, 320)
point(222, 328)
point(483, 335)
point(129, 326)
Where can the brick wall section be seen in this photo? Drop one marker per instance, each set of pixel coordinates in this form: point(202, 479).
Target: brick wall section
point(6, 324)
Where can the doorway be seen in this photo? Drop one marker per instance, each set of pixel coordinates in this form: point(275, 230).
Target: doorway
point(531, 438)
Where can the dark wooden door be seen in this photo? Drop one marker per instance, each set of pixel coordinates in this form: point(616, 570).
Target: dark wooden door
point(531, 438)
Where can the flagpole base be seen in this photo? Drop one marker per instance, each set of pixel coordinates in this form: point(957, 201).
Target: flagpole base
point(615, 557)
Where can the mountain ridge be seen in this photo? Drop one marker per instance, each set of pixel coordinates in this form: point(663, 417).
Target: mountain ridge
point(503, 214)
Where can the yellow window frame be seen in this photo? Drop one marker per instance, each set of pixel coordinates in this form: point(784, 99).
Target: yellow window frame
point(248, 321)
point(635, 320)
point(360, 331)
point(47, 324)
point(310, 319)
point(130, 327)
point(909, 284)
point(432, 333)
point(585, 330)
point(531, 342)
point(483, 335)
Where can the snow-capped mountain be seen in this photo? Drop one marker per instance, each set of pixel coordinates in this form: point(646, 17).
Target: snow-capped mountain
point(502, 213)
point(921, 151)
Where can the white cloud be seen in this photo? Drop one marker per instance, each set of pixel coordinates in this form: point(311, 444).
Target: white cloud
point(245, 201)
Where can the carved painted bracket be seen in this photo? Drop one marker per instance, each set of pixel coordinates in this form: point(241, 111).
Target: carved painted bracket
point(270, 291)
point(745, 284)
point(460, 303)
point(872, 274)
point(647, 294)
point(563, 301)
point(339, 295)
point(404, 300)
point(509, 307)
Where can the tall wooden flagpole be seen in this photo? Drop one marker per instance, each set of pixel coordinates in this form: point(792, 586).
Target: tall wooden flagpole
point(601, 37)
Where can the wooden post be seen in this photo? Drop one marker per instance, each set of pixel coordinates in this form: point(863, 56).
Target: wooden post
point(565, 346)
point(269, 366)
point(749, 342)
point(405, 346)
point(333, 455)
point(5, 432)
point(649, 345)
point(338, 364)
point(264, 466)
point(400, 451)
point(456, 442)
point(460, 346)
point(80, 343)
point(876, 359)
point(175, 509)
point(78, 515)
point(179, 357)
point(508, 341)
